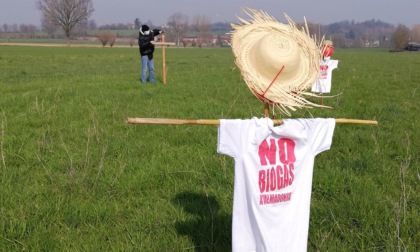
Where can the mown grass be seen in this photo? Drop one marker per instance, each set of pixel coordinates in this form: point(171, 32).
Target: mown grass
point(75, 177)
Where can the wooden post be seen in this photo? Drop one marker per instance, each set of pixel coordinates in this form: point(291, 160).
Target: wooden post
point(266, 109)
point(163, 44)
point(163, 60)
point(133, 120)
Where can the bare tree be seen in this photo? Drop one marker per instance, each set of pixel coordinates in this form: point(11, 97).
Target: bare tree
point(27, 31)
point(111, 39)
point(202, 25)
point(13, 28)
point(48, 27)
point(65, 13)
point(178, 25)
point(106, 37)
point(103, 38)
point(415, 33)
point(150, 23)
point(316, 30)
point(92, 24)
point(401, 37)
point(137, 23)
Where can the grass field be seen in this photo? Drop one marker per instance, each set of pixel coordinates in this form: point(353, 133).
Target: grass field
point(75, 177)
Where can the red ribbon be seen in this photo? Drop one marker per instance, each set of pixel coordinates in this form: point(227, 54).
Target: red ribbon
point(272, 82)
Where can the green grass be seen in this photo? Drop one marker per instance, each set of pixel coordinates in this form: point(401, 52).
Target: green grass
point(75, 177)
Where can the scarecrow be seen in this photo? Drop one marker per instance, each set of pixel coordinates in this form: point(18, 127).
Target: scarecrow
point(273, 164)
point(327, 65)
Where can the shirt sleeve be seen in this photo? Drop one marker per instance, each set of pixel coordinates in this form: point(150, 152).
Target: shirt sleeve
point(321, 134)
point(229, 137)
point(334, 64)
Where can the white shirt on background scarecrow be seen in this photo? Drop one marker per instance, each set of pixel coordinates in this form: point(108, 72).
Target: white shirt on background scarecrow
point(323, 84)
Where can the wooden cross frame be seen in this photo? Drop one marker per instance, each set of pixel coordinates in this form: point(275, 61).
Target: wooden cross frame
point(163, 44)
point(133, 120)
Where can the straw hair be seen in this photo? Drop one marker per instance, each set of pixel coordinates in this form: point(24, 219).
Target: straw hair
point(277, 61)
point(327, 43)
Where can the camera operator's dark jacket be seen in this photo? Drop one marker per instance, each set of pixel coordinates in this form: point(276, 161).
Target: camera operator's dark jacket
point(145, 47)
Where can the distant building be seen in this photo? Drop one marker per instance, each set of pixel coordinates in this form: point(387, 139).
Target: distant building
point(372, 43)
point(222, 40)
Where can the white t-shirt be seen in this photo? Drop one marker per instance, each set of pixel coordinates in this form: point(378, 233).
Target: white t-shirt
point(323, 84)
point(273, 179)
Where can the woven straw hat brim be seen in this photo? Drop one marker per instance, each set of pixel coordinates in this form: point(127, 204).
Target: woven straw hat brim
point(277, 61)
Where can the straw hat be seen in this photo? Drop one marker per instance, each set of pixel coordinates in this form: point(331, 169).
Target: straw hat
point(277, 61)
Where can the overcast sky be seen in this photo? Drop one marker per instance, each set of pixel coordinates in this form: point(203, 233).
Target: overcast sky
point(406, 12)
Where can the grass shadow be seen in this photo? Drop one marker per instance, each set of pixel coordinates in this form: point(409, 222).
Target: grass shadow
point(205, 225)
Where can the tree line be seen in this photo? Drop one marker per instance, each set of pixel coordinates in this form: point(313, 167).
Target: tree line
point(72, 18)
point(371, 33)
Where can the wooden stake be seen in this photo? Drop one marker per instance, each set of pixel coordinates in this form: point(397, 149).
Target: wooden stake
point(163, 60)
point(266, 109)
point(170, 121)
point(217, 122)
